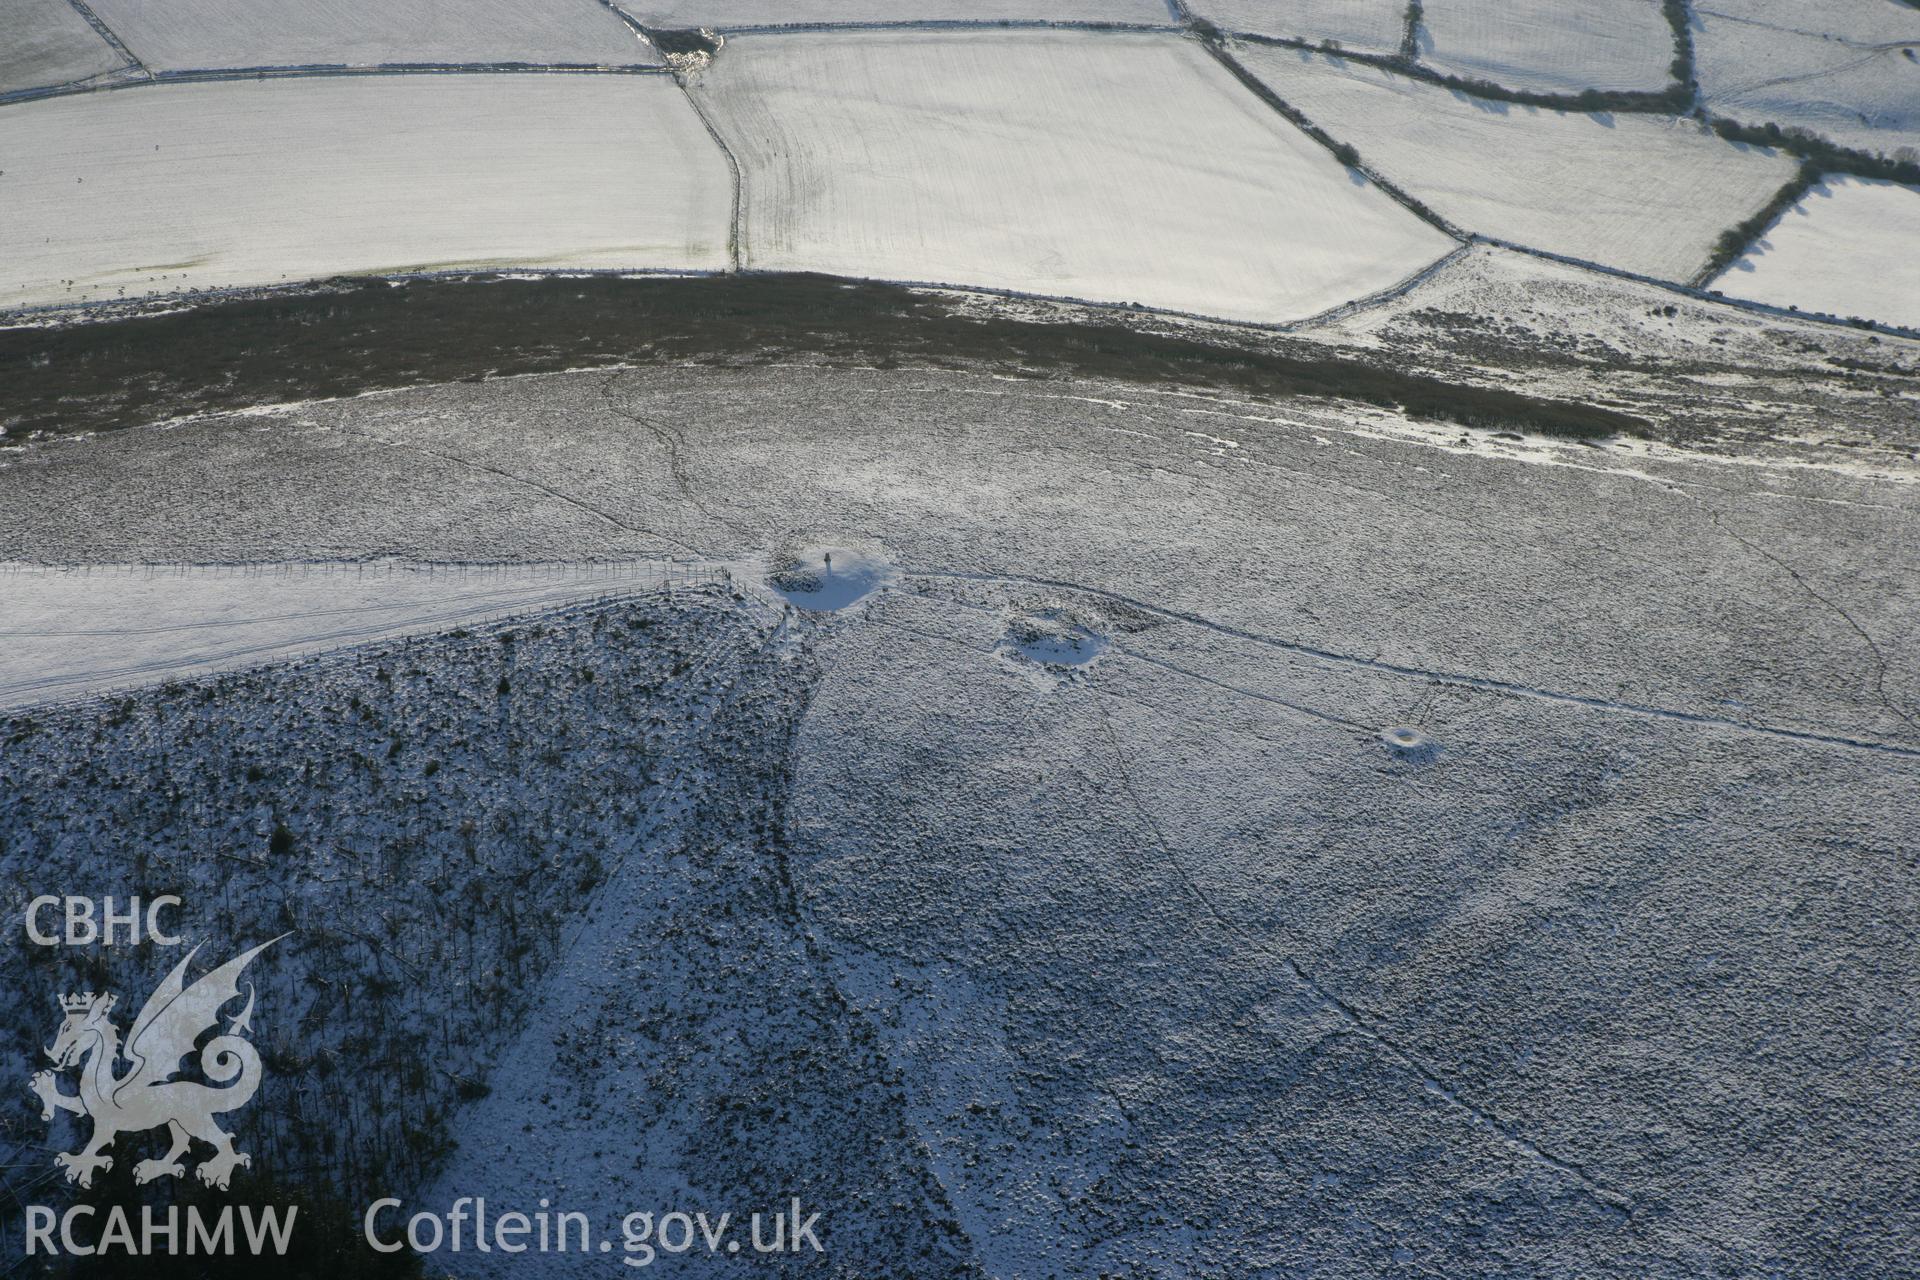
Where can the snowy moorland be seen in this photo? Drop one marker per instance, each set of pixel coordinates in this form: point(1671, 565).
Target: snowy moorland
point(1424, 785)
point(425, 821)
point(136, 192)
point(1169, 837)
point(1648, 194)
point(1846, 250)
point(1548, 46)
point(183, 35)
point(1047, 162)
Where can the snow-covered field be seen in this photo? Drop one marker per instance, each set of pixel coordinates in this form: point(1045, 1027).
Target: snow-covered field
point(197, 34)
point(72, 631)
point(47, 42)
point(1850, 248)
point(723, 14)
point(1549, 46)
point(1116, 168)
point(1639, 193)
point(167, 188)
point(1372, 26)
point(1849, 72)
point(1113, 167)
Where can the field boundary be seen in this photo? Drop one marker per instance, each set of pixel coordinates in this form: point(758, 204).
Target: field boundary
point(1636, 102)
point(1742, 236)
point(1214, 40)
point(1819, 159)
point(1701, 293)
point(329, 70)
point(1388, 294)
point(1680, 98)
point(736, 236)
point(108, 34)
point(1344, 152)
point(1679, 16)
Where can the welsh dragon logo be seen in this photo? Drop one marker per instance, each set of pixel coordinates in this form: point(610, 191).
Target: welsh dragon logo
point(147, 1096)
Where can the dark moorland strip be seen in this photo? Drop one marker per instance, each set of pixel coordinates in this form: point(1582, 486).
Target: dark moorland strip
point(351, 336)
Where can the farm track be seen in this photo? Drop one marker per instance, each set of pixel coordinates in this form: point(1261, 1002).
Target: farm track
point(1801, 77)
point(1872, 45)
